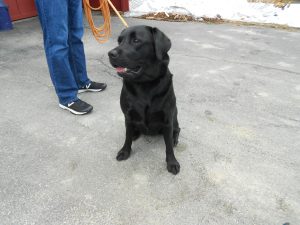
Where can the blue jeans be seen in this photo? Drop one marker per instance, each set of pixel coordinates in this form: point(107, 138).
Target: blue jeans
point(62, 25)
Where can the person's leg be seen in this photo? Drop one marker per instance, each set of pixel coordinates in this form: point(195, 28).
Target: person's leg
point(76, 53)
point(54, 21)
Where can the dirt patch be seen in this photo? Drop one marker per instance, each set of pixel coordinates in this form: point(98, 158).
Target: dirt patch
point(174, 17)
point(168, 17)
point(269, 25)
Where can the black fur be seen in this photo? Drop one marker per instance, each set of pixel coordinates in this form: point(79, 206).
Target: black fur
point(147, 98)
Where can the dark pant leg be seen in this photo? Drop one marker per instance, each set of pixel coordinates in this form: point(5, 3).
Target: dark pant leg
point(53, 16)
point(76, 53)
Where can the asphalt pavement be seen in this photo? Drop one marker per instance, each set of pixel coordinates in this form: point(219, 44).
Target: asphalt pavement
point(238, 97)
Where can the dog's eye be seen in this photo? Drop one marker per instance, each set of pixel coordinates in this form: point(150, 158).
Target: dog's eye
point(135, 40)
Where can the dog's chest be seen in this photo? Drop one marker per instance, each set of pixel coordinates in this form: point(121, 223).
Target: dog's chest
point(146, 113)
point(148, 118)
point(147, 109)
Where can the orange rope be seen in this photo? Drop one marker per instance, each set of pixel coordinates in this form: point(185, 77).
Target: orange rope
point(103, 32)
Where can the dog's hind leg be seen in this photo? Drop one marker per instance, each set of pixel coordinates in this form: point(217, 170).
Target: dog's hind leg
point(124, 153)
point(172, 163)
point(175, 136)
point(176, 130)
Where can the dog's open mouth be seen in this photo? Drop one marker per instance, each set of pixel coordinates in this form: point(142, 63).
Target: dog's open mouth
point(124, 70)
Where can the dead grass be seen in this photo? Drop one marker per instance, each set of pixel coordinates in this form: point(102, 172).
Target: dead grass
point(174, 17)
point(168, 17)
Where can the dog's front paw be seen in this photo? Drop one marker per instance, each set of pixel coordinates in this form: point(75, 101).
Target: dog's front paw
point(173, 166)
point(123, 154)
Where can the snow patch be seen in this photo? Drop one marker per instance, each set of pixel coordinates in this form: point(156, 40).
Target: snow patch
point(239, 10)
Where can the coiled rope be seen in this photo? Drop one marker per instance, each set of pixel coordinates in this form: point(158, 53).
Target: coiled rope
point(103, 32)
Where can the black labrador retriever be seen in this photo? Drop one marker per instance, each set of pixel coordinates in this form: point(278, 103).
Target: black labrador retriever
point(147, 98)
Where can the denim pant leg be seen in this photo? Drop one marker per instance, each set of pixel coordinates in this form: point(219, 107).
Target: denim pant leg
point(76, 53)
point(53, 15)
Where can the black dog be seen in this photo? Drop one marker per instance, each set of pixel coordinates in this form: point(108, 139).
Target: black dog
point(147, 98)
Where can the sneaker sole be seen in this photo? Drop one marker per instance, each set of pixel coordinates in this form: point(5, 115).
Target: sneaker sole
point(73, 111)
point(90, 90)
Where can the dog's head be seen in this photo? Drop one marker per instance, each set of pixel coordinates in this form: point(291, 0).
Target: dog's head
point(140, 51)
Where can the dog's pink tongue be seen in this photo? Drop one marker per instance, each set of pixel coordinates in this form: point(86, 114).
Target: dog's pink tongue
point(120, 69)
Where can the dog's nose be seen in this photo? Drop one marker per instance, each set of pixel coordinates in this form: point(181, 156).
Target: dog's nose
point(113, 53)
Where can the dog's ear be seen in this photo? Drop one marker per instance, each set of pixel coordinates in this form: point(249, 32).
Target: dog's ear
point(161, 42)
point(122, 31)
